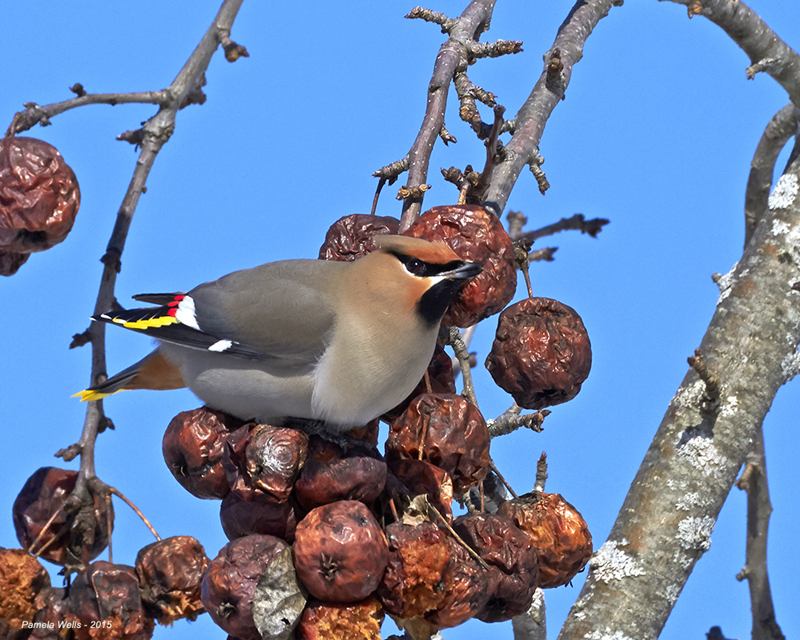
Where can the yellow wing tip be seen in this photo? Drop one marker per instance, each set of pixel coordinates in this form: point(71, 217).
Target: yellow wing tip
point(88, 395)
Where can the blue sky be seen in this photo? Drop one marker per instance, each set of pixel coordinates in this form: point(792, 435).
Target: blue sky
point(656, 133)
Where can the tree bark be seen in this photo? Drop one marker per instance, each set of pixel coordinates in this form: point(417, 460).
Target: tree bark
point(665, 523)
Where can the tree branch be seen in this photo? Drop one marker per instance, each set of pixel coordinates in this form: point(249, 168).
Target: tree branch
point(767, 52)
point(452, 57)
point(783, 126)
point(156, 131)
point(759, 508)
point(529, 123)
point(665, 523)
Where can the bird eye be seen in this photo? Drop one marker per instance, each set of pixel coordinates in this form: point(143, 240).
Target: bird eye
point(415, 267)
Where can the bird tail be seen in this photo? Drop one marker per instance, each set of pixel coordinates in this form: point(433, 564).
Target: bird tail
point(151, 372)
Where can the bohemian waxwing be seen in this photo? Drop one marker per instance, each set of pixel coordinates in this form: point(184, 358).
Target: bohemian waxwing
point(340, 342)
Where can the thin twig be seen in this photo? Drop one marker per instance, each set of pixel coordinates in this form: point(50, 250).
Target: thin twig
point(455, 340)
point(453, 533)
point(46, 526)
point(119, 494)
point(157, 130)
point(759, 508)
point(576, 222)
point(453, 55)
point(502, 479)
point(541, 473)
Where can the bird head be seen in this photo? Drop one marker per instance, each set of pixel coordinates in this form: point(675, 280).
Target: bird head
point(429, 274)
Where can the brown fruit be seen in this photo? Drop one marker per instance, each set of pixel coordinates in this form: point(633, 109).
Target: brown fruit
point(423, 478)
point(11, 261)
point(104, 601)
point(330, 474)
point(465, 589)
point(170, 574)
point(22, 578)
point(72, 538)
point(231, 580)
point(39, 195)
point(513, 573)
point(273, 459)
point(452, 433)
point(330, 621)
point(246, 513)
point(418, 557)
point(350, 237)
point(440, 376)
point(52, 609)
point(558, 532)
point(476, 236)
point(541, 353)
point(340, 552)
point(193, 447)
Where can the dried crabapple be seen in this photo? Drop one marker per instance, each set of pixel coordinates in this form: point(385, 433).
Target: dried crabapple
point(170, 574)
point(329, 621)
point(231, 580)
point(39, 195)
point(193, 447)
point(513, 573)
point(558, 532)
point(351, 237)
point(453, 435)
point(541, 353)
point(72, 537)
point(340, 552)
point(476, 236)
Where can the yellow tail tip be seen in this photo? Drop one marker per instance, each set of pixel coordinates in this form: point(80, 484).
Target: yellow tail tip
point(88, 395)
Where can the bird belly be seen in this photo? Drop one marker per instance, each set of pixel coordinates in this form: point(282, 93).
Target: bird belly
point(354, 387)
point(247, 389)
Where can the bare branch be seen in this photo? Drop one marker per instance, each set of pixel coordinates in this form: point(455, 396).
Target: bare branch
point(665, 523)
point(767, 52)
point(512, 419)
point(35, 114)
point(157, 131)
point(548, 91)
point(452, 57)
point(759, 508)
point(442, 20)
point(455, 340)
point(576, 222)
point(780, 129)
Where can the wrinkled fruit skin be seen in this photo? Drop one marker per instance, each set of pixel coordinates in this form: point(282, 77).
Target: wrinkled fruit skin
point(418, 558)
point(231, 580)
point(418, 477)
point(43, 494)
point(465, 588)
point(170, 574)
point(558, 532)
point(455, 435)
point(330, 621)
point(476, 236)
point(11, 261)
point(340, 552)
point(22, 577)
point(541, 353)
point(330, 474)
point(513, 573)
point(193, 447)
point(351, 237)
point(245, 514)
point(108, 592)
point(39, 195)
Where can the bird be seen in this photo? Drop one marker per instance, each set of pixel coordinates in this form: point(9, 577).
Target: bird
point(338, 343)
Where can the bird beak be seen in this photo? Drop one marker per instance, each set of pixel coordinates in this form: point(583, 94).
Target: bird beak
point(466, 271)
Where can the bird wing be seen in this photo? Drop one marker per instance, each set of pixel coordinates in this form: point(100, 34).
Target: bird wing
point(280, 311)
